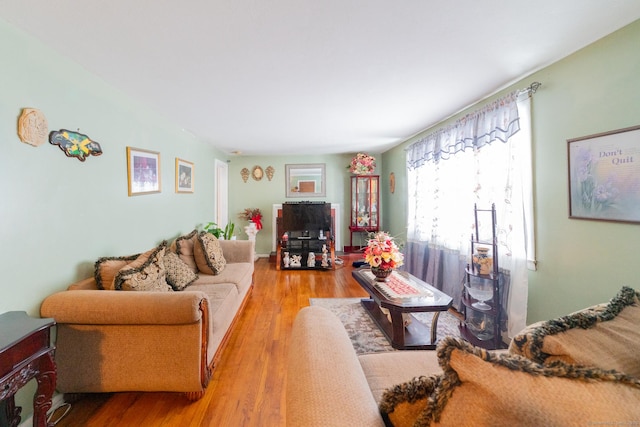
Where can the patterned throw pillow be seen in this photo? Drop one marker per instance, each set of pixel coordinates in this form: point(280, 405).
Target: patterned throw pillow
point(482, 388)
point(208, 254)
point(183, 246)
point(145, 273)
point(179, 274)
point(107, 268)
point(605, 335)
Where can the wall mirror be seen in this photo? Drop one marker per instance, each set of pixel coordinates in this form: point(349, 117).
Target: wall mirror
point(307, 180)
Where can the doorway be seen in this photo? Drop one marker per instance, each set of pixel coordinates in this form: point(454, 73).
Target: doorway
point(222, 193)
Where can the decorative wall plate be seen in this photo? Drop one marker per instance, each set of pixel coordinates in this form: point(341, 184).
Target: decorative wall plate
point(257, 173)
point(245, 174)
point(270, 171)
point(75, 144)
point(32, 127)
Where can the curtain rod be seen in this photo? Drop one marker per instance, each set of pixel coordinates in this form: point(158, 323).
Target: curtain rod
point(531, 89)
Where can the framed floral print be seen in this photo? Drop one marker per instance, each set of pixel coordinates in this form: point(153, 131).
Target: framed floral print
point(604, 176)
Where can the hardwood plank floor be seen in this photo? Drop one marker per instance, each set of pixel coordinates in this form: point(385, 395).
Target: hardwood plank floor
point(248, 384)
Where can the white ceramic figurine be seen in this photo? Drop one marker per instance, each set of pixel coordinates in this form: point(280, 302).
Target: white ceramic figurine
point(311, 260)
point(295, 261)
point(286, 260)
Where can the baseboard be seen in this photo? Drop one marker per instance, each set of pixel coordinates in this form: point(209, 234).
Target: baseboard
point(56, 401)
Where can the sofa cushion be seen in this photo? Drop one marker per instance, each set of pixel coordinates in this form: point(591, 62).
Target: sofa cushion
point(183, 246)
point(179, 274)
point(106, 269)
point(384, 370)
point(238, 273)
point(208, 254)
point(605, 335)
point(145, 273)
point(479, 388)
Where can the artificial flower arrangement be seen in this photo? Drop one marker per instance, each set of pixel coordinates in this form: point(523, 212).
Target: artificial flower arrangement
point(382, 252)
point(362, 164)
point(253, 215)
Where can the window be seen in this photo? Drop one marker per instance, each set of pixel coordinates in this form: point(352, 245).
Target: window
point(484, 159)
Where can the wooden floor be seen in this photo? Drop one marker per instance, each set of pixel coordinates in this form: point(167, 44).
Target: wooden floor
point(248, 385)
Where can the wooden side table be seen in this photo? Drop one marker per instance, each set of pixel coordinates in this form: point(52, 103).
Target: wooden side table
point(26, 352)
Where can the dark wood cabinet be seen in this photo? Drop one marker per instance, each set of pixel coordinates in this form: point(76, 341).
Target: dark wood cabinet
point(365, 206)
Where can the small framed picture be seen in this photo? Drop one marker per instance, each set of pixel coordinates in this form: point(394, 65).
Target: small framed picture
point(143, 171)
point(184, 176)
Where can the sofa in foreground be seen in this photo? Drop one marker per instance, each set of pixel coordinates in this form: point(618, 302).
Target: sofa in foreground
point(156, 321)
point(578, 370)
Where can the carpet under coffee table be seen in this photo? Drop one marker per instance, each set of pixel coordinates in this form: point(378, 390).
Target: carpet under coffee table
point(365, 335)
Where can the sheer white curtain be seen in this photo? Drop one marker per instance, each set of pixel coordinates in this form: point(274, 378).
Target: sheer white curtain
point(483, 159)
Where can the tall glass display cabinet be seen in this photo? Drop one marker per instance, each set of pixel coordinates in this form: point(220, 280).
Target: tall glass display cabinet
point(365, 205)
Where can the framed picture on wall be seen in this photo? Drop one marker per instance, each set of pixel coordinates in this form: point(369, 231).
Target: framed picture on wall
point(604, 176)
point(184, 176)
point(305, 180)
point(143, 171)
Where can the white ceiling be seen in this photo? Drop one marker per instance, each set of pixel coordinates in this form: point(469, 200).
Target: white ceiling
point(321, 76)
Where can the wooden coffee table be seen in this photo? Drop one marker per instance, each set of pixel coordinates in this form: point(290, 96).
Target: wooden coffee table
point(403, 293)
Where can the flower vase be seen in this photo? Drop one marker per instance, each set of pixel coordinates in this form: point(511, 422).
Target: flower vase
point(381, 274)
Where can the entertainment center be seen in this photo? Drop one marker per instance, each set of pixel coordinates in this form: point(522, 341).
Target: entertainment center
point(305, 239)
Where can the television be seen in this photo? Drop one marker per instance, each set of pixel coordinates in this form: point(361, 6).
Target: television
point(308, 217)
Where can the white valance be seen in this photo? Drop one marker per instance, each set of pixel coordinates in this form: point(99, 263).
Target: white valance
point(497, 120)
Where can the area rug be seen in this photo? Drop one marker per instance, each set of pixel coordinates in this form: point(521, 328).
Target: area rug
point(365, 335)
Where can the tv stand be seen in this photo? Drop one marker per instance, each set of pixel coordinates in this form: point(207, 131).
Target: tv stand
point(302, 246)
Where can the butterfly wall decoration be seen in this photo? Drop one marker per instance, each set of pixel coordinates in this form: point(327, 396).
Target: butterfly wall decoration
point(75, 144)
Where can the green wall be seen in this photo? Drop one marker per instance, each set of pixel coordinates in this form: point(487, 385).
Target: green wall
point(580, 262)
point(264, 193)
point(58, 215)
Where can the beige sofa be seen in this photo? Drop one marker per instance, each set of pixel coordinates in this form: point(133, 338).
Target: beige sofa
point(581, 369)
point(156, 338)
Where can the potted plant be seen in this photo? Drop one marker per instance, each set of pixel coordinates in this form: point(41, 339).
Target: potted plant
point(213, 228)
point(225, 233)
point(252, 215)
point(228, 231)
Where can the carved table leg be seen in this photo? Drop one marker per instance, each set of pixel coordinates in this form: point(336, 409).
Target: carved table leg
point(46, 380)
point(434, 326)
point(10, 411)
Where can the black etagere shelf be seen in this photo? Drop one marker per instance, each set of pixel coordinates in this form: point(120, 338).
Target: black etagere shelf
point(482, 311)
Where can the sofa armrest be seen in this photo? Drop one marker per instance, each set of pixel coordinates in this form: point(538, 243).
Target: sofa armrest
point(100, 307)
point(237, 250)
point(84, 285)
point(325, 382)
